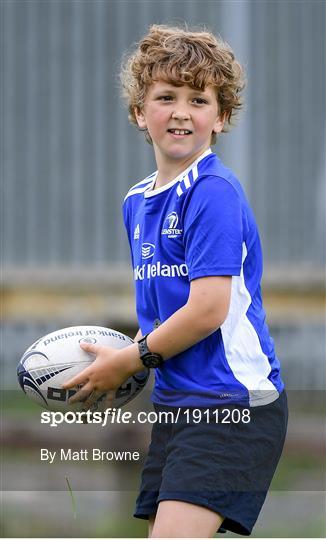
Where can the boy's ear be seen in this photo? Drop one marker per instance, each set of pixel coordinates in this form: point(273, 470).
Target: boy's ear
point(140, 117)
point(219, 123)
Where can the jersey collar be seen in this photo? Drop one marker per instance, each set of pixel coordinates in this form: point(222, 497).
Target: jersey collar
point(150, 192)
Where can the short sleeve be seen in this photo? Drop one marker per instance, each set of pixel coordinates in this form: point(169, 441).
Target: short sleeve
point(126, 220)
point(213, 232)
point(125, 215)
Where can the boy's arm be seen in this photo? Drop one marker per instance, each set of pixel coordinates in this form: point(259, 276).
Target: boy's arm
point(206, 309)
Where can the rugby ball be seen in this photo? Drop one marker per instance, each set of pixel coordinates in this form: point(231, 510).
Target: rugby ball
point(57, 357)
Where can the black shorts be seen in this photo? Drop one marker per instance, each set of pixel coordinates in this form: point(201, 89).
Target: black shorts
point(222, 462)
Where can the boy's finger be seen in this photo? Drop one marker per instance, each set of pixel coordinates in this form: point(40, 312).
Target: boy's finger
point(82, 394)
point(78, 379)
point(109, 399)
point(82, 376)
point(90, 347)
point(91, 399)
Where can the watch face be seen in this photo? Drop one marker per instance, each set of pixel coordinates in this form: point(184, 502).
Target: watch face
point(152, 361)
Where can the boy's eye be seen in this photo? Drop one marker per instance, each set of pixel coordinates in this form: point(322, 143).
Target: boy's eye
point(199, 100)
point(165, 98)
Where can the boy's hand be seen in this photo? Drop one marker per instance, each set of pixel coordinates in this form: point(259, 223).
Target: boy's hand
point(104, 375)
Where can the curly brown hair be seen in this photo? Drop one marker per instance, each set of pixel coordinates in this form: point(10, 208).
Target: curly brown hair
point(180, 56)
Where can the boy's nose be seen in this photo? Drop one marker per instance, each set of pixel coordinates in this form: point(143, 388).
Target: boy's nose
point(180, 115)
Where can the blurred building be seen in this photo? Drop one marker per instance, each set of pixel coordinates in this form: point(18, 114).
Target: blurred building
point(69, 157)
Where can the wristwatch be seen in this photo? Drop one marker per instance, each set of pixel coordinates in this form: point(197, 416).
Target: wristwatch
point(149, 359)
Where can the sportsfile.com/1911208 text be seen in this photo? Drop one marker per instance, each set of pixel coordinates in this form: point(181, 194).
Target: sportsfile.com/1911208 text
point(223, 415)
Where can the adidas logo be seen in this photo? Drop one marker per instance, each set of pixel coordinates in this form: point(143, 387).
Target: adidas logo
point(137, 232)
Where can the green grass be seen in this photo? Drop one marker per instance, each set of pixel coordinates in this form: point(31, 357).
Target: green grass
point(292, 467)
point(16, 403)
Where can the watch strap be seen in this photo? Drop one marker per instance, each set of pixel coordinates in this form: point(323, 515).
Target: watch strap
point(148, 358)
point(143, 347)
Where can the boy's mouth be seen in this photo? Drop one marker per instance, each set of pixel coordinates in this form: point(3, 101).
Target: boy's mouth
point(180, 131)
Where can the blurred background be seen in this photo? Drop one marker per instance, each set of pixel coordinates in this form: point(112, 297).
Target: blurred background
point(69, 156)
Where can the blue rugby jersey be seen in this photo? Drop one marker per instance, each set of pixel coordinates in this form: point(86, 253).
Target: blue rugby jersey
point(200, 224)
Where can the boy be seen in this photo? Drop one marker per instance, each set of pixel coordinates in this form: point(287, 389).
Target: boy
point(197, 267)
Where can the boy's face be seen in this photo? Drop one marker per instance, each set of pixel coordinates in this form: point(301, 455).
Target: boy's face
point(180, 120)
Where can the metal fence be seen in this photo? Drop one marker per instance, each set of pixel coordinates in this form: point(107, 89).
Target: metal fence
point(70, 155)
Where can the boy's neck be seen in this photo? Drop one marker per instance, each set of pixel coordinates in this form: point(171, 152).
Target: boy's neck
point(168, 171)
point(165, 176)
